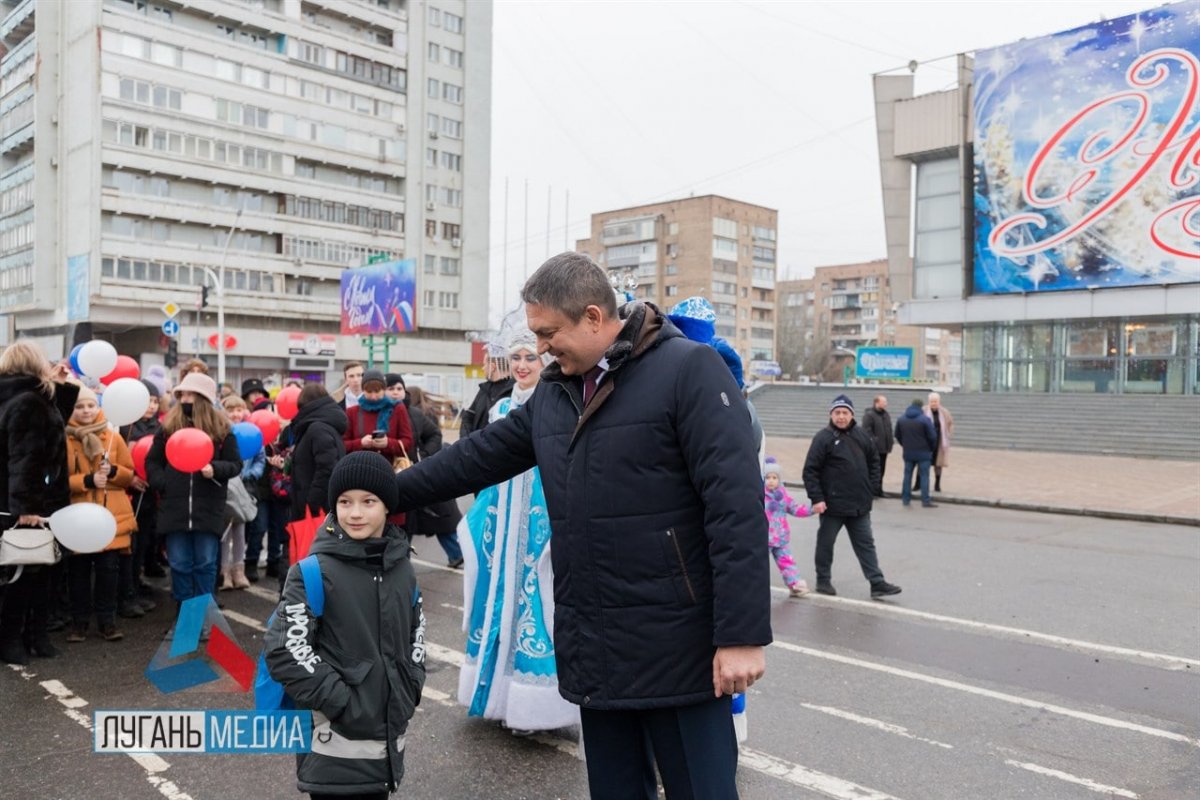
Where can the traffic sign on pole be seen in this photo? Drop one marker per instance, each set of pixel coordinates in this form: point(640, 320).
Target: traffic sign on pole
point(170, 327)
point(170, 309)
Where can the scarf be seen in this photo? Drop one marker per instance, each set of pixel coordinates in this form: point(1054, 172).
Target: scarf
point(87, 436)
point(383, 406)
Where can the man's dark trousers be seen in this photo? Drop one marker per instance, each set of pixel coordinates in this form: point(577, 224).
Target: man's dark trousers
point(921, 466)
point(695, 747)
point(882, 470)
point(861, 539)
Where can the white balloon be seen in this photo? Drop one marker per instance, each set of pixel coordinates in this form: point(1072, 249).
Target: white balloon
point(97, 358)
point(125, 401)
point(84, 527)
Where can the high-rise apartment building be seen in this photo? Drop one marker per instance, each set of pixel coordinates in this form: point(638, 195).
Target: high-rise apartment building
point(823, 319)
point(710, 246)
point(133, 132)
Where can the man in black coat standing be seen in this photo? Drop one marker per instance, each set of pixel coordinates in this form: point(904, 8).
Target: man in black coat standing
point(659, 540)
point(877, 422)
point(499, 384)
point(841, 478)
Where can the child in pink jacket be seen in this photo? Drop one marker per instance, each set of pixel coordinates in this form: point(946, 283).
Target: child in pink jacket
point(778, 505)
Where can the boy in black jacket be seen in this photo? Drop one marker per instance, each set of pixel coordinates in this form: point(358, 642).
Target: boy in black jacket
point(360, 667)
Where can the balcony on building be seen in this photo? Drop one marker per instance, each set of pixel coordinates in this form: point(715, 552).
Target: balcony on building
point(18, 23)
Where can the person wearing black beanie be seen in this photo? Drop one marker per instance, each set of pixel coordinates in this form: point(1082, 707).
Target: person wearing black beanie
point(367, 471)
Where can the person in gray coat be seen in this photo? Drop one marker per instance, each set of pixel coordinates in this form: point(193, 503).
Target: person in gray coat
point(877, 422)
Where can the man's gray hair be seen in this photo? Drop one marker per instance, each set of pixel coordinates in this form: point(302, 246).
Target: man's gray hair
point(569, 283)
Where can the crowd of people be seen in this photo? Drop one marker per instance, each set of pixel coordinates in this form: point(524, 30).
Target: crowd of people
point(615, 562)
point(58, 448)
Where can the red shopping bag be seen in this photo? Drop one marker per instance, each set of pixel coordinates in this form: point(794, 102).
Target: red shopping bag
point(301, 534)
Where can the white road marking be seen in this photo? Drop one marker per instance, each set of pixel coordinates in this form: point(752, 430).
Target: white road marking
point(452, 657)
point(828, 785)
point(1170, 661)
point(149, 762)
point(989, 693)
point(249, 622)
point(452, 607)
point(898, 730)
point(432, 565)
point(1069, 778)
point(265, 594)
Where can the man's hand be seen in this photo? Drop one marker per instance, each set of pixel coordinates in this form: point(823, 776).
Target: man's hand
point(735, 669)
point(367, 441)
point(819, 508)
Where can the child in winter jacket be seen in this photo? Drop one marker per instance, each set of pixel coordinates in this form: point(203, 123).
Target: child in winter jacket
point(360, 667)
point(101, 469)
point(778, 505)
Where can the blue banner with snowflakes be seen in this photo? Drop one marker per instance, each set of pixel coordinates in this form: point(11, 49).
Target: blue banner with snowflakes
point(1087, 156)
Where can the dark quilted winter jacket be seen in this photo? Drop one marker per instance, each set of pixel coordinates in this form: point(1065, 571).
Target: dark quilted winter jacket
point(659, 542)
point(33, 447)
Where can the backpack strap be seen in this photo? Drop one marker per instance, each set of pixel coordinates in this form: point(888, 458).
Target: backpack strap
point(310, 570)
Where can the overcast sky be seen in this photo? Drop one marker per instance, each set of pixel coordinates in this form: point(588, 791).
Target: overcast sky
point(624, 103)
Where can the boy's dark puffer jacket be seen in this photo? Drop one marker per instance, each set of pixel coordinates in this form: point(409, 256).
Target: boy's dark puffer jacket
point(360, 667)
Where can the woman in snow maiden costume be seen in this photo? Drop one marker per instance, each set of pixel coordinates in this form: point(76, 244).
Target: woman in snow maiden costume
point(509, 673)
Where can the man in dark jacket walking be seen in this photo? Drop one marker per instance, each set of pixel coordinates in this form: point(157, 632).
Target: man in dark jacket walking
point(915, 433)
point(499, 384)
point(877, 422)
point(841, 478)
point(659, 540)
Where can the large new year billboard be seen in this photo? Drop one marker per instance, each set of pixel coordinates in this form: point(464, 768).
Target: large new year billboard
point(1087, 156)
point(380, 298)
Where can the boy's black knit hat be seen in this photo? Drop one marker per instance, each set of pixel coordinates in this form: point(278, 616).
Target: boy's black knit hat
point(366, 471)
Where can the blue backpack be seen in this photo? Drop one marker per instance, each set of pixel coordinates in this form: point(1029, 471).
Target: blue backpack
point(268, 692)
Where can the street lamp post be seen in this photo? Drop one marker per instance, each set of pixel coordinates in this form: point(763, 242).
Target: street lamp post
point(221, 299)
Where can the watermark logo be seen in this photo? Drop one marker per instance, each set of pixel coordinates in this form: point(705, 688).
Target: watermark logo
point(195, 731)
point(181, 662)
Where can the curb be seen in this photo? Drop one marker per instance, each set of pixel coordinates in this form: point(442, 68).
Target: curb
point(1041, 508)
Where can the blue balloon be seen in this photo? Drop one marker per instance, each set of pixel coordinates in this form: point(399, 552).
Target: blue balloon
point(74, 359)
point(249, 439)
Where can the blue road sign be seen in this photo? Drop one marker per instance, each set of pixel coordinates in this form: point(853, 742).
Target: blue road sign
point(170, 327)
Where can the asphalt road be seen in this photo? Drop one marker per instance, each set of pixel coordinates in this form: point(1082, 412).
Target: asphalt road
point(1030, 656)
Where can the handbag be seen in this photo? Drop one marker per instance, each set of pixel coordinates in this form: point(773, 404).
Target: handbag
point(402, 461)
point(21, 546)
point(239, 503)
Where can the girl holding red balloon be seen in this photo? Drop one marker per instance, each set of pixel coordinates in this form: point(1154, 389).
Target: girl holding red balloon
point(192, 459)
point(100, 470)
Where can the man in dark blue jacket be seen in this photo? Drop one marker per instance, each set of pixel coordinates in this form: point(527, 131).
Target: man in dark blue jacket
point(915, 433)
point(841, 478)
point(659, 544)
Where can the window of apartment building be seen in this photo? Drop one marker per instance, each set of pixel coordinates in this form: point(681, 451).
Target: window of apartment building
point(150, 94)
point(725, 267)
point(435, 17)
point(452, 128)
point(451, 231)
point(243, 114)
point(764, 254)
point(432, 88)
point(672, 250)
point(726, 228)
point(724, 248)
point(431, 228)
point(937, 260)
point(432, 123)
point(451, 161)
point(452, 93)
point(431, 157)
point(430, 264)
point(310, 53)
point(724, 287)
point(452, 57)
point(767, 234)
point(745, 292)
point(452, 22)
point(433, 53)
point(764, 273)
point(673, 229)
point(450, 197)
point(451, 266)
point(428, 298)
point(671, 269)
point(448, 300)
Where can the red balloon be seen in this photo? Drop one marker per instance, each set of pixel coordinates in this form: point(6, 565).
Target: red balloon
point(126, 368)
point(285, 402)
point(267, 422)
point(139, 451)
point(189, 450)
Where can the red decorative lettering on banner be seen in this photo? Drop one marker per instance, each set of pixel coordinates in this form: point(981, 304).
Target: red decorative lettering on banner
point(1149, 151)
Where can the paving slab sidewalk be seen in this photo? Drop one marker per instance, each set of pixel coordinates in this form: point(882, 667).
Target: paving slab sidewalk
point(1137, 488)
